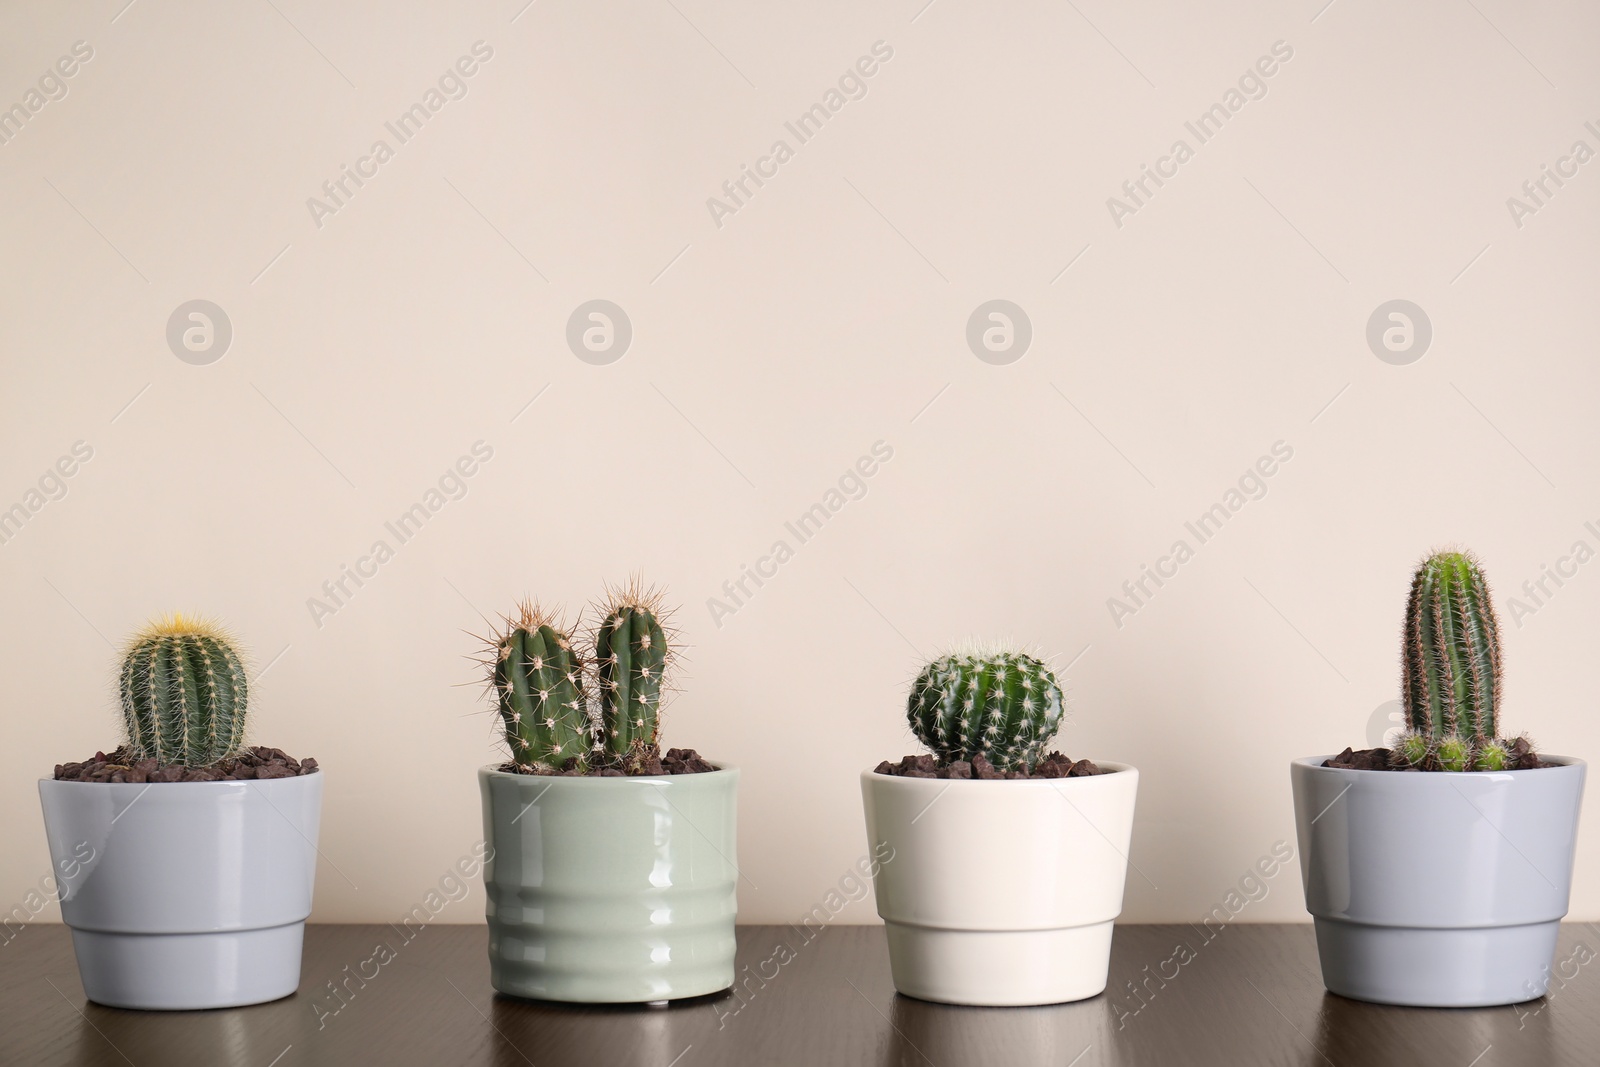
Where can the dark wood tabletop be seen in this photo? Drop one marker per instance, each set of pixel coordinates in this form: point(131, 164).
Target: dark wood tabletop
point(1250, 995)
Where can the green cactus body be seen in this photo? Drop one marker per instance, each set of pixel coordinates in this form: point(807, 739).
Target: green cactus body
point(1452, 678)
point(538, 680)
point(1004, 706)
point(1413, 748)
point(631, 656)
point(1493, 756)
point(1454, 753)
point(184, 694)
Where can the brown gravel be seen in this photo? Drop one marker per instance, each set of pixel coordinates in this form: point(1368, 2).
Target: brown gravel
point(648, 762)
point(1523, 758)
point(251, 764)
point(1054, 765)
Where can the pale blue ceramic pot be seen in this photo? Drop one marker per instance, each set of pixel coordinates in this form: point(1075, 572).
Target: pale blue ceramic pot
point(185, 895)
point(1437, 889)
point(610, 890)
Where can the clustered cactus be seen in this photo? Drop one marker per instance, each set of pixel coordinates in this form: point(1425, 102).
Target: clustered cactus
point(1451, 682)
point(557, 707)
point(1001, 704)
point(184, 693)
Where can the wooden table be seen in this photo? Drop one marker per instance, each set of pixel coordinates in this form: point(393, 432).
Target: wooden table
point(1249, 996)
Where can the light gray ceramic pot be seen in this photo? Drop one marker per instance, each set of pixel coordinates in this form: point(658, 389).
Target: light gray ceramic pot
point(610, 890)
point(1437, 889)
point(185, 895)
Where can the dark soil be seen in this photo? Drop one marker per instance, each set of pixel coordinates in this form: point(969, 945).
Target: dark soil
point(648, 762)
point(1523, 758)
point(1055, 765)
point(252, 764)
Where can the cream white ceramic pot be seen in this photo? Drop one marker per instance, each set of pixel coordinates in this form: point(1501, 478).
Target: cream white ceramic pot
point(184, 895)
point(1001, 892)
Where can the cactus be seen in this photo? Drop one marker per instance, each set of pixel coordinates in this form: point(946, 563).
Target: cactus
point(1494, 756)
point(1451, 682)
point(184, 693)
point(1453, 752)
point(1413, 749)
point(1001, 704)
point(538, 682)
point(632, 656)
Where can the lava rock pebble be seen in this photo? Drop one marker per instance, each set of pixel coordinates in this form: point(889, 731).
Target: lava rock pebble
point(1368, 759)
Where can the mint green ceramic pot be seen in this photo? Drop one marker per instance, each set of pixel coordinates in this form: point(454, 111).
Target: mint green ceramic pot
point(610, 890)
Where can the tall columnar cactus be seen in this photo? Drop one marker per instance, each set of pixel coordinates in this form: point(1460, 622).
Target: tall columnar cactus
point(1451, 682)
point(184, 693)
point(1004, 705)
point(538, 682)
point(632, 656)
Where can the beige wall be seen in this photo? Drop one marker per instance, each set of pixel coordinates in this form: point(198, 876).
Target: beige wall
point(1175, 341)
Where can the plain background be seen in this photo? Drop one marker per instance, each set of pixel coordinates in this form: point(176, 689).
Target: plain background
point(769, 353)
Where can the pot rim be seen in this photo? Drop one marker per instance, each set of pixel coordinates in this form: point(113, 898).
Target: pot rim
point(1110, 767)
point(493, 770)
point(1315, 763)
point(187, 785)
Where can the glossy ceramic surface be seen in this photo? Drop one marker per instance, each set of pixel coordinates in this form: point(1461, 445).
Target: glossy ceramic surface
point(1000, 893)
point(610, 890)
point(185, 895)
point(1437, 889)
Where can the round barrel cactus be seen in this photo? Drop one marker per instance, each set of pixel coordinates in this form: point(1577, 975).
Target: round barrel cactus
point(1001, 704)
point(184, 693)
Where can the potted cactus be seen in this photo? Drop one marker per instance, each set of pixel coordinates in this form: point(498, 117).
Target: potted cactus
point(1008, 862)
point(1437, 871)
point(611, 877)
point(201, 851)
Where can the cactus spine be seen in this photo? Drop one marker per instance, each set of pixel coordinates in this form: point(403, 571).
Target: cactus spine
point(184, 693)
point(1003, 705)
point(1451, 682)
point(632, 656)
point(538, 681)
